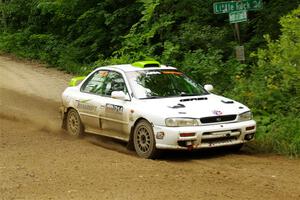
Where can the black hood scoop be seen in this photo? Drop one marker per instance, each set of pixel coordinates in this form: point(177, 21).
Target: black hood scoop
point(193, 99)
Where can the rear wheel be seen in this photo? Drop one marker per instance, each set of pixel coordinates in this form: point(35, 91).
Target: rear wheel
point(74, 125)
point(144, 141)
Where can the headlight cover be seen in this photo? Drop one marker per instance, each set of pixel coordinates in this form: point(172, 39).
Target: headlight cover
point(180, 122)
point(245, 116)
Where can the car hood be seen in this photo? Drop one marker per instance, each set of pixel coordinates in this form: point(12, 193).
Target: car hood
point(193, 107)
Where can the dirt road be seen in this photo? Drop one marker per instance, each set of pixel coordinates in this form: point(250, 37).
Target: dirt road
point(39, 161)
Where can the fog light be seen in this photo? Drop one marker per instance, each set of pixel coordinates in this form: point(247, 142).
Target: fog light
point(160, 135)
point(187, 134)
point(249, 136)
point(250, 128)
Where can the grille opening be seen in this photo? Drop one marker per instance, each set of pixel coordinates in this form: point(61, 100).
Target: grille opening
point(216, 119)
point(182, 143)
point(216, 140)
point(209, 133)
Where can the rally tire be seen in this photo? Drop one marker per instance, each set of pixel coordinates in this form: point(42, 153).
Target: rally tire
point(73, 123)
point(144, 140)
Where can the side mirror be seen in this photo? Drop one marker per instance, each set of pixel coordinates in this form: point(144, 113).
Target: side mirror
point(119, 95)
point(208, 87)
point(76, 80)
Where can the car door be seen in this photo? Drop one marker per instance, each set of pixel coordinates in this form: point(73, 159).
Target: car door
point(115, 118)
point(91, 104)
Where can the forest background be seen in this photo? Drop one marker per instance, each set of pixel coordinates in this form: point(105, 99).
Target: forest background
point(78, 35)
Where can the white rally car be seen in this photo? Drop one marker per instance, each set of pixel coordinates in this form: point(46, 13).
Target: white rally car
point(154, 107)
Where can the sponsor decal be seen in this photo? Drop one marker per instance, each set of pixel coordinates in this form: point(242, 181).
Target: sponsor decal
point(153, 72)
point(217, 112)
point(84, 105)
point(113, 108)
point(83, 101)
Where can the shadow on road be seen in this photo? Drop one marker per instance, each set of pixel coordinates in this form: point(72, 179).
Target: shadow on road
point(200, 154)
point(167, 155)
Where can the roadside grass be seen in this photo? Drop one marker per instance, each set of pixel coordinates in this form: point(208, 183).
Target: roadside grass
point(281, 136)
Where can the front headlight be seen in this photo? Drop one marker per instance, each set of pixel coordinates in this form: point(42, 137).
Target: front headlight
point(245, 116)
point(177, 122)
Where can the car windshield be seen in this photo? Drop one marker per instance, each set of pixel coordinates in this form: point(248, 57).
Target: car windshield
point(162, 83)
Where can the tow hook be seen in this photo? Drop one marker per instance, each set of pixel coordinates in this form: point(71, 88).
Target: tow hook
point(189, 145)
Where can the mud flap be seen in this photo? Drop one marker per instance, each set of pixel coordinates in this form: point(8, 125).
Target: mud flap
point(63, 115)
point(130, 145)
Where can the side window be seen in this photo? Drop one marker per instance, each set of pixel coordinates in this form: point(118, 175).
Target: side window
point(114, 82)
point(96, 83)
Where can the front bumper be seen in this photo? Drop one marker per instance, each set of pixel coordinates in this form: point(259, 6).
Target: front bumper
point(207, 136)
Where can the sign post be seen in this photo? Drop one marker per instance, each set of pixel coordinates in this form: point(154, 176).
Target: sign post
point(240, 53)
point(237, 11)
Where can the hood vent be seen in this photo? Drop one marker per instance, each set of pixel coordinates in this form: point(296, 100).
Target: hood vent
point(227, 102)
point(178, 106)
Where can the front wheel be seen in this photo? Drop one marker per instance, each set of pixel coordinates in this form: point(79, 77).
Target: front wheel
point(74, 125)
point(144, 141)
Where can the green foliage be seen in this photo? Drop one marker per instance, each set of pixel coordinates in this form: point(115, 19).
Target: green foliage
point(273, 88)
point(44, 47)
point(279, 134)
point(208, 67)
point(64, 33)
point(265, 22)
point(276, 79)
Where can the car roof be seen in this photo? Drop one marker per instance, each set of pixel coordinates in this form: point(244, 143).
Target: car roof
point(131, 68)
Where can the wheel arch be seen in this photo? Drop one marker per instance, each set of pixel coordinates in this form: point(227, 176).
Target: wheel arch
point(64, 116)
point(130, 145)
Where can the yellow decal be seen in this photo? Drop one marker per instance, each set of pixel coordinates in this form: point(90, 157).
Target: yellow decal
point(172, 72)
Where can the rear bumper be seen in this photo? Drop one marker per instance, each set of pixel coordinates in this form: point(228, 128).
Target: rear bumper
point(207, 136)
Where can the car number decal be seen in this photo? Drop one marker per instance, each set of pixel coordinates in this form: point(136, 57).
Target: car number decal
point(113, 108)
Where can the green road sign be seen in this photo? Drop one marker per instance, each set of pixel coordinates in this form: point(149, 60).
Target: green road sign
point(238, 16)
point(231, 6)
point(252, 4)
point(224, 7)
